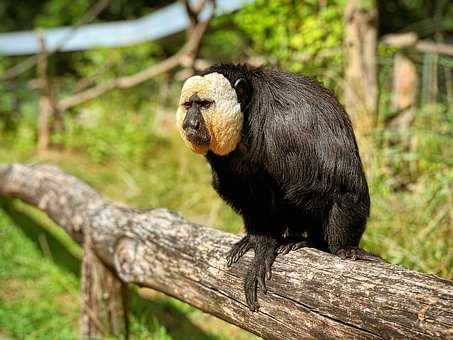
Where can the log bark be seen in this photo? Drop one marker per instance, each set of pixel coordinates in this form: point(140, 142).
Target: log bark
point(104, 298)
point(311, 293)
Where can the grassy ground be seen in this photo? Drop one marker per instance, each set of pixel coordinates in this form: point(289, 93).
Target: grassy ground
point(143, 163)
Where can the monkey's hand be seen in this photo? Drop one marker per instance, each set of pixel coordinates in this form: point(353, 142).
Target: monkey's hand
point(260, 269)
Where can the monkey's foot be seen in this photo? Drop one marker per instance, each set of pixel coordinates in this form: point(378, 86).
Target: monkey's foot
point(286, 247)
point(239, 249)
point(259, 271)
point(355, 253)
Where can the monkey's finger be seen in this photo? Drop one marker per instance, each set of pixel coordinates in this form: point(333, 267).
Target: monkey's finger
point(250, 287)
point(369, 257)
point(284, 249)
point(262, 280)
point(342, 254)
point(229, 260)
point(232, 257)
point(239, 254)
point(250, 298)
point(269, 270)
point(238, 250)
point(375, 258)
point(244, 248)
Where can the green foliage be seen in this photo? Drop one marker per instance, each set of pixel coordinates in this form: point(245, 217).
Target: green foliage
point(108, 63)
point(108, 143)
point(301, 36)
point(366, 5)
point(225, 41)
point(427, 18)
point(68, 12)
point(411, 194)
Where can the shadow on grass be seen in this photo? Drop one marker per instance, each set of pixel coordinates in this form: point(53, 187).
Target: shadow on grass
point(149, 313)
point(162, 310)
point(42, 238)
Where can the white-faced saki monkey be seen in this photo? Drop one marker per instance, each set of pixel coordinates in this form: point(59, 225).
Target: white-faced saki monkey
point(284, 156)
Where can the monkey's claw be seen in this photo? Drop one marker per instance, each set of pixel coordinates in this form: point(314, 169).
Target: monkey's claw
point(239, 249)
point(258, 273)
point(355, 253)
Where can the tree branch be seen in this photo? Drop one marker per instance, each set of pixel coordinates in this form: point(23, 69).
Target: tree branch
point(178, 59)
point(411, 40)
point(311, 293)
point(122, 82)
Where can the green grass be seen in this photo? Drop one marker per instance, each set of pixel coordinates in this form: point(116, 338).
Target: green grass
point(34, 288)
point(144, 164)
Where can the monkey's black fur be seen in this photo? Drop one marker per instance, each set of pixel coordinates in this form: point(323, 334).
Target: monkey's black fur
point(296, 177)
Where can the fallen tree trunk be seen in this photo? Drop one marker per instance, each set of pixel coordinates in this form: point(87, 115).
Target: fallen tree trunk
point(311, 293)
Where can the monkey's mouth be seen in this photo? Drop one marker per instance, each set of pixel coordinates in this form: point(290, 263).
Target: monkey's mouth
point(198, 138)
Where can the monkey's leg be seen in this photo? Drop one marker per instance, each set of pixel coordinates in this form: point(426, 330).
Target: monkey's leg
point(344, 229)
point(239, 249)
point(260, 269)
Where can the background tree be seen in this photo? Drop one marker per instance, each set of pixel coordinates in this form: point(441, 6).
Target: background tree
point(361, 84)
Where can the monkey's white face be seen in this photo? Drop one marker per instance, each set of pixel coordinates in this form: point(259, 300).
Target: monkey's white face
point(223, 117)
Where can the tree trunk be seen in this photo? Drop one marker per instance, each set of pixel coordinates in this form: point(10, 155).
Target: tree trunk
point(49, 118)
point(404, 94)
point(361, 84)
point(45, 109)
point(311, 294)
point(104, 305)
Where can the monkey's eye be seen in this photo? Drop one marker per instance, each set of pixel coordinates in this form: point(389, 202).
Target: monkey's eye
point(205, 104)
point(187, 105)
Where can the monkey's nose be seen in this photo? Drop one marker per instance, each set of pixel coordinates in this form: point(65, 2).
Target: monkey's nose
point(193, 124)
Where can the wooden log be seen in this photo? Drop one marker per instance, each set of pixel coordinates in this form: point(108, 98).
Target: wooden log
point(311, 293)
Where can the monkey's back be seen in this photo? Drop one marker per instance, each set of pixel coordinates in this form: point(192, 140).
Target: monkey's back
point(300, 155)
